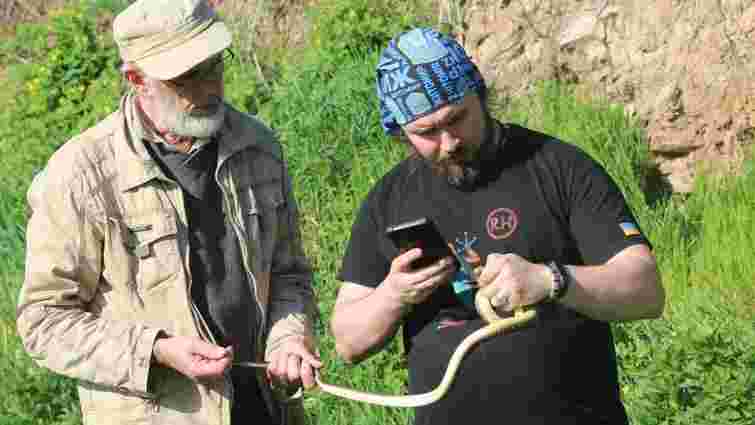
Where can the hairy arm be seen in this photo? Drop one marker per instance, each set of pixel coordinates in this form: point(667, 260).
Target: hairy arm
point(364, 320)
point(626, 287)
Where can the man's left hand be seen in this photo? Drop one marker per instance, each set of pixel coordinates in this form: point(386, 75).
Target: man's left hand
point(294, 363)
point(519, 282)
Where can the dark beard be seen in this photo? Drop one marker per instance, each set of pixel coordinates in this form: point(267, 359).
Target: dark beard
point(458, 172)
point(464, 173)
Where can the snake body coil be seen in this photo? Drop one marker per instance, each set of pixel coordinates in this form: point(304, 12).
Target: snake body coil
point(496, 325)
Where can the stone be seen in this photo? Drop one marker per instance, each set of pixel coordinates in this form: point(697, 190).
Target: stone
point(686, 71)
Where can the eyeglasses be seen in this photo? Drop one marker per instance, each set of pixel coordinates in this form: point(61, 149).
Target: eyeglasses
point(209, 70)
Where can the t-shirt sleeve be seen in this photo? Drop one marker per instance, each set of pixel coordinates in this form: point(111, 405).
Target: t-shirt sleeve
point(363, 262)
point(600, 219)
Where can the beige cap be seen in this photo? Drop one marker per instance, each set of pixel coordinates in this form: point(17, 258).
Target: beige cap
point(166, 38)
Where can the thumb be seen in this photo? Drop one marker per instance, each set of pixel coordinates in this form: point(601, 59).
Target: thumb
point(403, 262)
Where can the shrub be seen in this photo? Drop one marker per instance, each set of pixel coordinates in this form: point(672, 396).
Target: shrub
point(344, 29)
point(694, 366)
point(58, 93)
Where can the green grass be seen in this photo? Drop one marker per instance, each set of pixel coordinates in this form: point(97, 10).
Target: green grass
point(31, 395)
point(695, 365)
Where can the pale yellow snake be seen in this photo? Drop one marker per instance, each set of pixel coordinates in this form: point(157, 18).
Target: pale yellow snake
point(496, 325)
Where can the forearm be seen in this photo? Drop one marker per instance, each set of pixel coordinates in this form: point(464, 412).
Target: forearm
point(362, 326)
point(84, 346)
point(293, 311)
point(293, 308)
point(626, 288)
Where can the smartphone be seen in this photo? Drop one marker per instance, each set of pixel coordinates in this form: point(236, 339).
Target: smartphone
point(421, 233)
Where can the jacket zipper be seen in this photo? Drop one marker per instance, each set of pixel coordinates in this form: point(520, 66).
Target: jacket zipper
point(230, 198)
point(202, 327)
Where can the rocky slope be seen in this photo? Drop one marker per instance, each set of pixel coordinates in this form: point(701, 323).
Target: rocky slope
point(685, 68)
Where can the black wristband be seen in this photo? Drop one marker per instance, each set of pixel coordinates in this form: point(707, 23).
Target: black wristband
point(561, 280)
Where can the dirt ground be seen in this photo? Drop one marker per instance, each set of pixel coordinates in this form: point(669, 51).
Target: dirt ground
point(14, 11)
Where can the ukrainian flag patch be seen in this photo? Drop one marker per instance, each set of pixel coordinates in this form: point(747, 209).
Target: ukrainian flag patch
point(629, 229)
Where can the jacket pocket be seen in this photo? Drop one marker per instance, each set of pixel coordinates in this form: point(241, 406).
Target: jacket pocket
point(263, 221)
point(101, 405)
point(265, 198)
point(152, 242)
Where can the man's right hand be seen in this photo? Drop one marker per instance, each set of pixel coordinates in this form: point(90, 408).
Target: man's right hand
point(408, 286)
point(192, 356)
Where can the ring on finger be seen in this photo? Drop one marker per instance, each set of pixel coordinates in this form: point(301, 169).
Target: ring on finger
point(500, 300)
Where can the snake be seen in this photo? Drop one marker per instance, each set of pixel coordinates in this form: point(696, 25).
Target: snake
point(495, 326)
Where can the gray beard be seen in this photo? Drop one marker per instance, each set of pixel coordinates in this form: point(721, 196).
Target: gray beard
point(186, 124)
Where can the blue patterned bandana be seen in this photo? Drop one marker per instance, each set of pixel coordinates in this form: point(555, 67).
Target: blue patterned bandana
point(420, 71)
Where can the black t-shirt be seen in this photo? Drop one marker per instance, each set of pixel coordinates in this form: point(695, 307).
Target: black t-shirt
point(539, 198)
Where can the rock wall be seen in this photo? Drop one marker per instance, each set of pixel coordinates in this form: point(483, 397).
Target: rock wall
point(686, 69)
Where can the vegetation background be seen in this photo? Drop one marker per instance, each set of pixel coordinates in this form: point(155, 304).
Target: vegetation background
point(57, 77)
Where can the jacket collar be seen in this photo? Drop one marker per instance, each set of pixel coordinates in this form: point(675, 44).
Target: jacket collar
point(136, 166)
point(240, 132)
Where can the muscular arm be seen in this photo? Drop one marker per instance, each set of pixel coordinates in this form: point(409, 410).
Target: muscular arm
point(364, 320)
point(626, 287)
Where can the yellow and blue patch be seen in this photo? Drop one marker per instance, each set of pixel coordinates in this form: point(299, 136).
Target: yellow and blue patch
point(629, 229)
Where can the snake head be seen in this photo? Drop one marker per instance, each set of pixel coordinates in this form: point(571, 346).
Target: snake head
point(484, 304)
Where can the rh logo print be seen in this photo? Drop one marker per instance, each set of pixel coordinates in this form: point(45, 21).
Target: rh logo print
point(502, 223)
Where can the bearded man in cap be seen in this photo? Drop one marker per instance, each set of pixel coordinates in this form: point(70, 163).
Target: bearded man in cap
point(531, 219)
point(164, 251)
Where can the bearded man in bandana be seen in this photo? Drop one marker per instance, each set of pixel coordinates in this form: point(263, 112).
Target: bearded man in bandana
point(533, 217)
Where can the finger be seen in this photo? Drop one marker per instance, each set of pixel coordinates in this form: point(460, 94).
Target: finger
point(307, 375)
point(275, 368)
point(208, 350)
point(294, 368)
point(281, 364)
point(519, 294)
point(305, 354)
point(501, 300)
point(421, 294)
point(487, 292)
point(439, 267)
point(433, 282)
point(205, 368)
point(228, 353)
point(490, 271)
point(402, 263)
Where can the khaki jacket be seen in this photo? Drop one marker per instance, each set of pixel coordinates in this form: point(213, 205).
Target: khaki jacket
point(107, 268)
